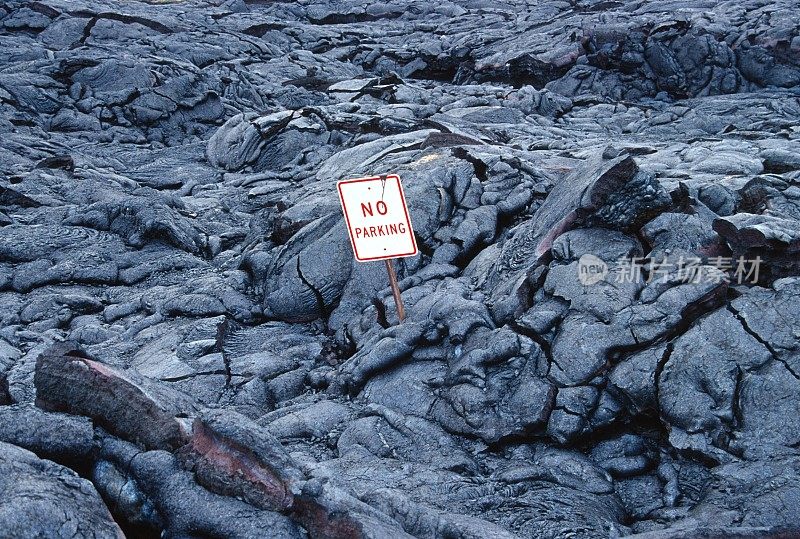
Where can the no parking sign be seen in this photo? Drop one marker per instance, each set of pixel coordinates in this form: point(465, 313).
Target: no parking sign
point(378, 223)
point(377, 218)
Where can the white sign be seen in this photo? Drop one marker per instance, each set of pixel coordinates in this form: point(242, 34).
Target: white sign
point(377, 218)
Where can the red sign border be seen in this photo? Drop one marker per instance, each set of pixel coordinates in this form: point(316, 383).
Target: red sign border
point(405, 209)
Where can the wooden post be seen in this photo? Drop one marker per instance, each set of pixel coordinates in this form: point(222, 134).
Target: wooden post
point(398, 301)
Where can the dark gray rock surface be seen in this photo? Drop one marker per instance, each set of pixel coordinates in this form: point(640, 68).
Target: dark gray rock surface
point(39, 498)
point(589, 348)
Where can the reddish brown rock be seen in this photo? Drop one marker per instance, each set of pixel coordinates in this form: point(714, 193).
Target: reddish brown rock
point(185, 509)
point(234, 456)
point(127, 404)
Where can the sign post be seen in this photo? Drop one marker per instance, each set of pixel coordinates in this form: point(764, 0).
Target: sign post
point(378, 223)
point(398, 299)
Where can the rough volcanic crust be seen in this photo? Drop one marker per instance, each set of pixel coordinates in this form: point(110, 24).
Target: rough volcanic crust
point(602, 332)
